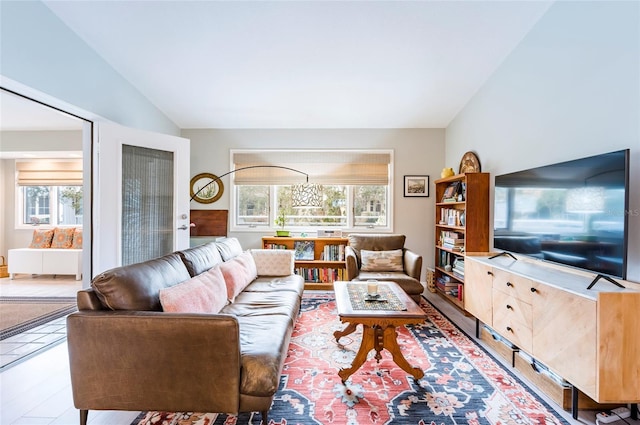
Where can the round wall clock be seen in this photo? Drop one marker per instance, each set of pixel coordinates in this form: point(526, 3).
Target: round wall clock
point(469, 163)
point(207, 186)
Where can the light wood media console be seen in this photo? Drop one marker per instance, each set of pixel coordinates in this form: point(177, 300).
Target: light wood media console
point(589, 337)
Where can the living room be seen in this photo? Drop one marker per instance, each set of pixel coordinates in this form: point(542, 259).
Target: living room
point(568, 89)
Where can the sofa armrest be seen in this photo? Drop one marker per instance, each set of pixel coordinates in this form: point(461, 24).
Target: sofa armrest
point(352, 263)
point(412, 264)
point(123, 360)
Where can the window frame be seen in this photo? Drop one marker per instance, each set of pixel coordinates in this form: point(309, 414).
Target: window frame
point(273, 207)
point(53, 208)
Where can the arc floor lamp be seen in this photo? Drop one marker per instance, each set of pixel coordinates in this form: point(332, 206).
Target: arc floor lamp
point(304, 195)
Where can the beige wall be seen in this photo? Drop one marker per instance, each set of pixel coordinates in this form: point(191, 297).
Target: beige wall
point(416, 151)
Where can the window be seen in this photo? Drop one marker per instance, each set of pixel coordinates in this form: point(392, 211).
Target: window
point(49, 193)
point(356, 189)
point(53, 205)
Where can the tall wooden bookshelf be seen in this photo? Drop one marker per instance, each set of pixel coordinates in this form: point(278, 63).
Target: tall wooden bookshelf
point(462, 227)
point(324, 258)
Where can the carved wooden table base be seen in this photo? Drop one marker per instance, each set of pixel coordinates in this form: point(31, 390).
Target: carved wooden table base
point(378, 337)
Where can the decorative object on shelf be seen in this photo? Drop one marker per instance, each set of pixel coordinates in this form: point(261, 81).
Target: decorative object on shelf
point(447, 172)
point(206, 188)
point(451, 192)
point(305, 195)
point(304, 250)
point(416, 186)
point(469, 163)
point(280, 221)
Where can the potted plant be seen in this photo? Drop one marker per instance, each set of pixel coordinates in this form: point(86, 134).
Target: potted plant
point(280, 221)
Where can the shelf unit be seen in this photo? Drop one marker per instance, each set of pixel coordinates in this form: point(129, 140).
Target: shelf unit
point(462, 227)
point(319, 273)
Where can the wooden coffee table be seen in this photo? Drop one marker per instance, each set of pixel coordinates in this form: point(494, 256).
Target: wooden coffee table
point(379, 325)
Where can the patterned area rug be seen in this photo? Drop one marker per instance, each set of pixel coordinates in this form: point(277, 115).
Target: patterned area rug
point(19, 314)
point(463, 384)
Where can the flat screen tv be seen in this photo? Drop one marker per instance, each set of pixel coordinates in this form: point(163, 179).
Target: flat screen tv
point(573, 213)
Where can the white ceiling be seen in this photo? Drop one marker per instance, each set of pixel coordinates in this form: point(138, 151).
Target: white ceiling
point(304, 64)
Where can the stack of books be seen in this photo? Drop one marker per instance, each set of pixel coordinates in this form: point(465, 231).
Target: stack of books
point(455, 243)
point(458, 268)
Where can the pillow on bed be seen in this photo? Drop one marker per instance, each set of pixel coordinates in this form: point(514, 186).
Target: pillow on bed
point(205, 293)
point(381, 261)
point(41, 239)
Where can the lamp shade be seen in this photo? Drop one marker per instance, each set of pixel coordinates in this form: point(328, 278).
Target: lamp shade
point(306, 195)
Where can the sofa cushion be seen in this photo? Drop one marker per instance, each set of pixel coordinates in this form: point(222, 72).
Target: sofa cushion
point(62, 237)
point(205, 293)
point(229, 248)
point(382, 261)
point(375, 242)
point(285, 303)
point(137, 286)
point(200, 258)
point(292, 282)
point(238, 273)
point(273, 262)
point(77, 239)
point(263, 349)
point(41, 239)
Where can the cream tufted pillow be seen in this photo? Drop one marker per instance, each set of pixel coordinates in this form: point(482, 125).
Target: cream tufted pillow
point(381, 261)
point(273, 262)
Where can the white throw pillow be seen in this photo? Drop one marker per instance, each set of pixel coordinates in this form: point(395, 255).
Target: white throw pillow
point(273, 262)
point(381, 261)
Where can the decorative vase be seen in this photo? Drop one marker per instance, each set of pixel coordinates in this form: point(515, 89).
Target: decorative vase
point(447, 172)
point(282, 232)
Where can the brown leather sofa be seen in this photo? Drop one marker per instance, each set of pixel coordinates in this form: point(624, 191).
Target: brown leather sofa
point(125, 353)
point(408, 278)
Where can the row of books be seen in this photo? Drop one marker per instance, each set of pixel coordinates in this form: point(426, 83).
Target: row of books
point(458, 268)
point(321, 274)
point(333, 253)
point(275, 246)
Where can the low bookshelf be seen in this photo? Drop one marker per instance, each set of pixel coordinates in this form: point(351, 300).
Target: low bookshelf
point(321, 261)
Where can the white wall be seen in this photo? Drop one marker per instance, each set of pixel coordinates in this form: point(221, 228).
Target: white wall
point(43, 54)
point(571, 89)
point(416, 151)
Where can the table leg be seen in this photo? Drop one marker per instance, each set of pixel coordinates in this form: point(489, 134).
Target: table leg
point(351, 328)
point(368, 342)
point(391, 344)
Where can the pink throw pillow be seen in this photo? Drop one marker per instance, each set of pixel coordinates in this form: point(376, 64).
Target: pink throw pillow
point(205, 293)
point(41, 239)
point(238, 274)
point(62, 237)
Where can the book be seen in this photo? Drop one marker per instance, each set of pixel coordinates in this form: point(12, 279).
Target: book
point(304, 250)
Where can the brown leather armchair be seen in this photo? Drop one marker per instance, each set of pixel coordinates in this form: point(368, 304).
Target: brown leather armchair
point(408, 278)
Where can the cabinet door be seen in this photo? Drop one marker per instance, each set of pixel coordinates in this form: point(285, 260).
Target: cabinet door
point(477, 290)
point(564, 335)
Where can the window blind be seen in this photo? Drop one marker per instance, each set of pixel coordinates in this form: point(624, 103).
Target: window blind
point(339, 167)
point(49, 172)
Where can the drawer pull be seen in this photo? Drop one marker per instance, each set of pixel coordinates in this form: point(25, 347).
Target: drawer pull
point(490, 273)
point(534, 290)
point(509, 307)
point(509, 329)
point(509, 284)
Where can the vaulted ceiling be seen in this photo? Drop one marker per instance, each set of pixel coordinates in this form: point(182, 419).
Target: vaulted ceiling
point(306, 64)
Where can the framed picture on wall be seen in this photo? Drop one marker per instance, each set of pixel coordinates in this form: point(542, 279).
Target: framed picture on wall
point(416, 186)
